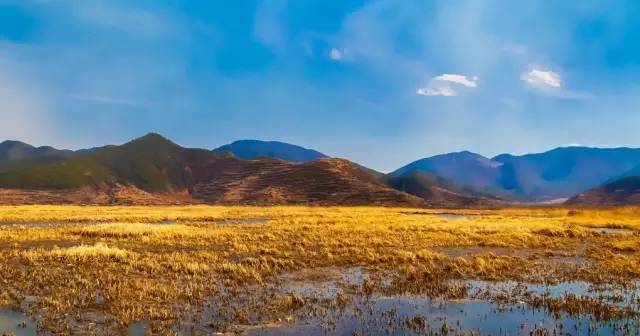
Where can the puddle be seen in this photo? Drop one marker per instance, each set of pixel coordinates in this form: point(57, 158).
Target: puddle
point(451, 216)
point(612, 231)
point(140, 328)
point(14, 323)
point(322, 283)
point(243, 221)
point(628, 298)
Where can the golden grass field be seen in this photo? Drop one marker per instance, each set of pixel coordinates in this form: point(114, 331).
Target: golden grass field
point(67, 264)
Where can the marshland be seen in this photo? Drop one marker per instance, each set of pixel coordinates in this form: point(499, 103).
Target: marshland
point(183, 270)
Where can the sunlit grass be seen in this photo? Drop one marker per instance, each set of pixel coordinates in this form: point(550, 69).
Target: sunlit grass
point(146, 262)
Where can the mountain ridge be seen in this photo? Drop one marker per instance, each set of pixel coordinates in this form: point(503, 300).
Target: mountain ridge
point(558, 173)
point(152, 169)
point(251, 149)
point(154, 164)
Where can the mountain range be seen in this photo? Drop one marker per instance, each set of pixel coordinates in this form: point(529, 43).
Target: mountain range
point(556, 174)
point(152, 169)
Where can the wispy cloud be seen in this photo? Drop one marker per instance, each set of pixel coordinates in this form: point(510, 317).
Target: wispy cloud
point(132, 20)
point(442, 85)
point(106, 100)
point(458, 79)
point(445, 91)
point(542, 78)
point(337, 54)
point(550, 83)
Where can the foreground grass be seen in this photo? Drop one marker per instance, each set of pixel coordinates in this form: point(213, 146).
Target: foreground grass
point(156, 263)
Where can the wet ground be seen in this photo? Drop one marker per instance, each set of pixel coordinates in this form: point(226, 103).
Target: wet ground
point(503, 308)
point(339, 301)
point(334, 301)
point(443, 215)
point(411, 315)
point(612, 231)
point(16, 324)
point(49, 224)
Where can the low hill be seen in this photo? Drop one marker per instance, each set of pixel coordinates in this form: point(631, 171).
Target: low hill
point(251, 149)
point(16, 151)
point(273, 181)
point(465, 168)
point(625, 191)
point(436, 190)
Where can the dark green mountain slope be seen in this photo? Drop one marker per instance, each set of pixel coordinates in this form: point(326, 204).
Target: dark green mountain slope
point(151, 163)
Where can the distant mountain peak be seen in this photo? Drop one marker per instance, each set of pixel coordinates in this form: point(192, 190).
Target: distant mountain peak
point(152, 139)
point(251, 149)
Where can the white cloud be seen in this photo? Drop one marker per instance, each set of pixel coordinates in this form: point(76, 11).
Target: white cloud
point(458, 79)
point(336, 54)
point(549, 83)
point(445, 91)
point(442, 85)
point(542, 78)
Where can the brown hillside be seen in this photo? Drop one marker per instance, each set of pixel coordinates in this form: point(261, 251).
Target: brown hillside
point(100, 195)
point(272, 181)
point(625, 191)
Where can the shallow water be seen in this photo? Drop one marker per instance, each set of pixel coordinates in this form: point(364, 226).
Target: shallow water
point(451, 216)
point(138, 328)
point(398, 316)
point(481, 314)
point(11, 323)
point(612, 231)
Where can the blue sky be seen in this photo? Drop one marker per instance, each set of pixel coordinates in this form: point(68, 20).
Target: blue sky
point(380, 82)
